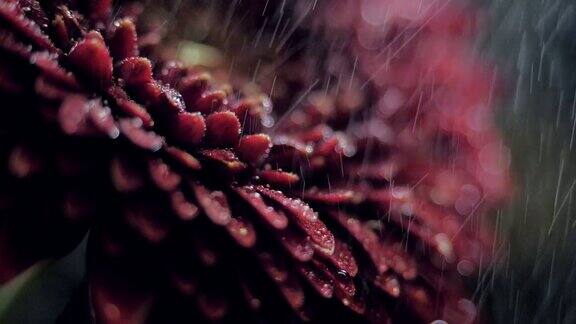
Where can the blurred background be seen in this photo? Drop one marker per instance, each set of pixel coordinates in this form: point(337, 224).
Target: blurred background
point(533, 45)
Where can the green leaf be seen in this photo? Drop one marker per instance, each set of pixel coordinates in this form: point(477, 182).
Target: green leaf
point(10, 291)
point(40, 294)
point(191, 54)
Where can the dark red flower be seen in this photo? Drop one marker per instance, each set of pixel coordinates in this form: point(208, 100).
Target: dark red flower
point(198, 208)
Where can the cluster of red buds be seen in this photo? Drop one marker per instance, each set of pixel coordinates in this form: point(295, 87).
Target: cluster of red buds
point(198, 207)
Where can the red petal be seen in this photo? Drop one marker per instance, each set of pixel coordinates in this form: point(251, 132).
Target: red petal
point(10, 14)
point(145, 219)
point(242, 231)
point(132, 129)
point(226, 158)
point(279, 178)
point(316, 134)
point(129, 107)
point(124, 39)
point(169, 100)
point(429, 224)
point(289, 287)
point(78, 116)
point(189, 128)
point(305, 217)
point(91, 58)
point(50, 68)
point(355, 303)
point(344, 289)
point(72, 115)
point(186, 285)
point(171, 73)
point(35, 12)
point(293, 293)
point(212, 307)
point(136, 73)
point(192, 87)
point(273, 217)
point(182, 207)
point(254, 148)
point(367, 239)
point(317, 280)
point(205, 250)
point(389, 284)
point(49, 90)
point(101, 118)
point(296, 244)
point(250, 297)
point(214, 204)
point(291, 146)
point(125, 176)
point(223, 129)
point(420, 300)
point(24, 162)
point(274, 267)
point(382, 172)
point(342, 259)
point(210, 102)
point(66, 27)
point(331, 198)
point(162, 175)
point(251, 114)
point(343, 283)
point(399, 259)
point(327, 147)
point(117, 298)
point(183, 158)
point(286, 152)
